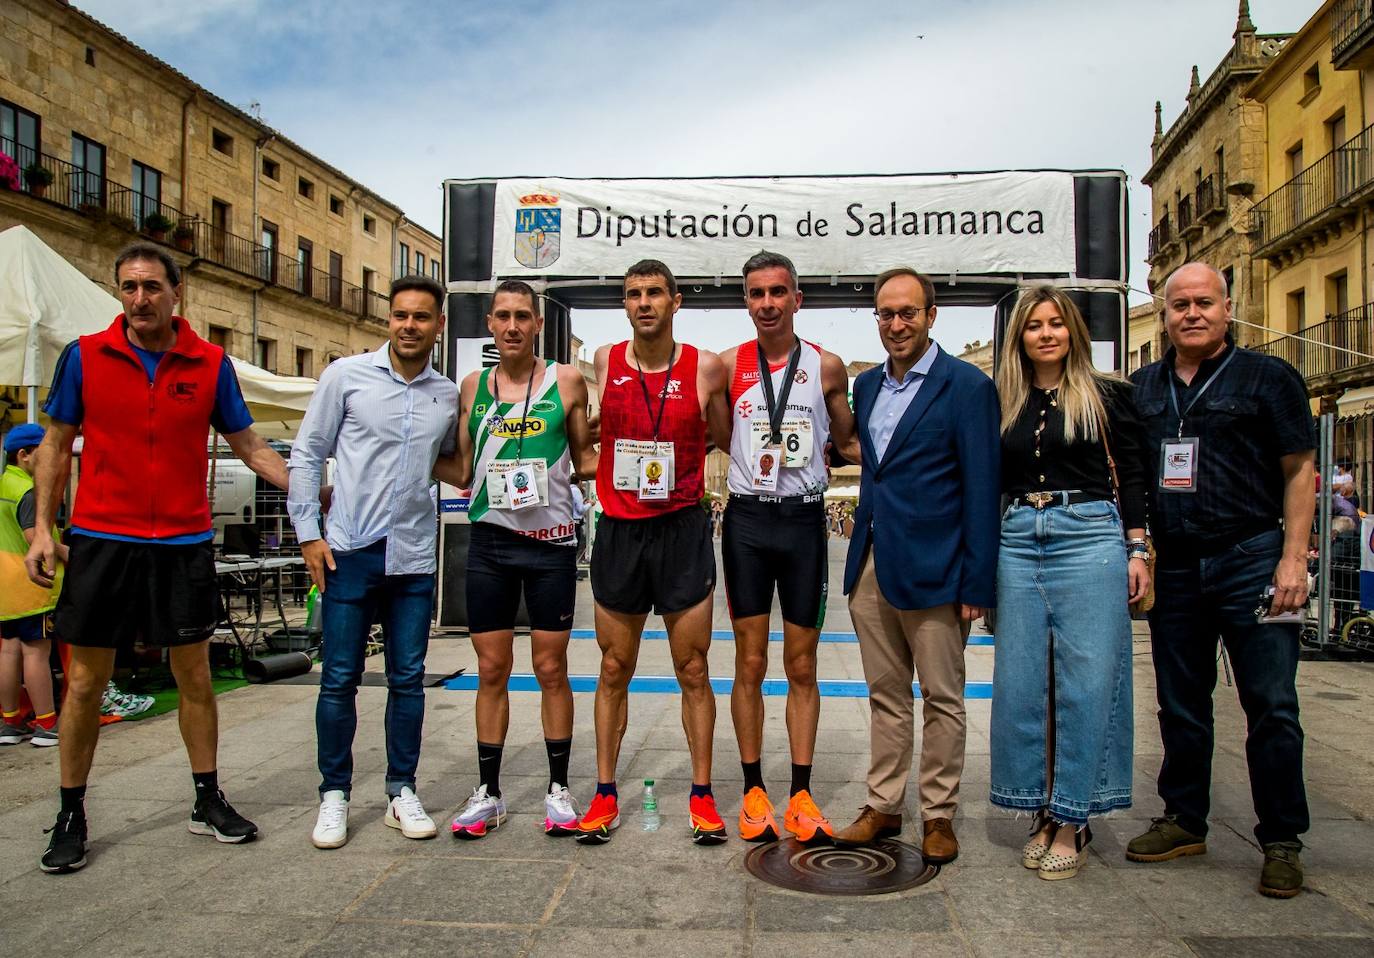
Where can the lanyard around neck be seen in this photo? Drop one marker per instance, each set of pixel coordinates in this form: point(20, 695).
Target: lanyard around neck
point(524, 415)
point(776, 406)
point(1173, 390)
point(662, 393)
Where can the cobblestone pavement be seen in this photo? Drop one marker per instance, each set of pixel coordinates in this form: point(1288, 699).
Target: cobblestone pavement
point(152, 889)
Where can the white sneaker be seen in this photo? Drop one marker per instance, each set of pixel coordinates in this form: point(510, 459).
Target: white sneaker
point(560, 814)
point(406, 813)
point(331, 828)
point(480, 811)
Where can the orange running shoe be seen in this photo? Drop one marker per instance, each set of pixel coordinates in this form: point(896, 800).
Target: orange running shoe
point(602, 818)
point(805, 821)
point(707, 828)
point(756, 821)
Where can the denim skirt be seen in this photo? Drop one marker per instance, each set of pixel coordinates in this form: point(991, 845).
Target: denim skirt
point(1062, 720)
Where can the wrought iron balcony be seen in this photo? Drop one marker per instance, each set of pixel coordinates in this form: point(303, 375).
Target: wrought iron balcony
point(1209, 199)
point(95, 196)
point(1161, 237)
point(1187, 225)
point(1327, 190)
point(1352, 32)
point(1330, 348)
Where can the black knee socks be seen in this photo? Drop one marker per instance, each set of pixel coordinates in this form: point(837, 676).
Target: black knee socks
point(489, 767)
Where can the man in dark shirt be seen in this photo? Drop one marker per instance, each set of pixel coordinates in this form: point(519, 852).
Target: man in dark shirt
point(1224, 419)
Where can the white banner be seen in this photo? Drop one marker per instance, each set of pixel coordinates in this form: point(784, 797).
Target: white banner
point(970, 223)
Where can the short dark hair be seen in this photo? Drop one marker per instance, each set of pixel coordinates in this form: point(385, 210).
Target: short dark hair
point(653, 267)
point(12, 457)
point(422, 283)
point(517, 286)
point(766, 259)
point(146, 251)
point(927, 286)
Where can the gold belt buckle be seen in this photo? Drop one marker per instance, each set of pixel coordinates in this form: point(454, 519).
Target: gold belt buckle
point(1040, 499)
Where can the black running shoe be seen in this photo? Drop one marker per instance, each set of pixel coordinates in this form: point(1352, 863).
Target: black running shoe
point(67, 847)
point(213, 815)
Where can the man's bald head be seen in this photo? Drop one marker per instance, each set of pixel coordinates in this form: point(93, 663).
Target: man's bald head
point(1191, 271)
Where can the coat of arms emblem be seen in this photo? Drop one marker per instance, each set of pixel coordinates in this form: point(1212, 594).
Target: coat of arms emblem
point(538, 222)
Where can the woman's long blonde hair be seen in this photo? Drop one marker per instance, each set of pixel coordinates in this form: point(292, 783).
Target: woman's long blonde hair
point(1080, 389)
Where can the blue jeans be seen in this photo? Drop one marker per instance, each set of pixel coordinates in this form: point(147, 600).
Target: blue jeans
point(1198, 600)
point(1062, 721)
point(358, 593)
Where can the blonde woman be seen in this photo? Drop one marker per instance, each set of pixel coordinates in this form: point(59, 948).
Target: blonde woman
point(1061, 709)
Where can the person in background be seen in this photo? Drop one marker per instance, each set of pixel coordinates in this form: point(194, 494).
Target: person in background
point(24, 606)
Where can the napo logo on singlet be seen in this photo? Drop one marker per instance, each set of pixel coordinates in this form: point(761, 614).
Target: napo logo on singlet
point(500, 428)
point(538, 226)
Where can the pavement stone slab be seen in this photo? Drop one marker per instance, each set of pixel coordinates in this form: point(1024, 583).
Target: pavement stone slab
point(159, 933)
point(367, 939)
point(495, 892)
point(557, 941)
point(857, 942)
point(920, 910)
point(618, 893)
point(1280, 946)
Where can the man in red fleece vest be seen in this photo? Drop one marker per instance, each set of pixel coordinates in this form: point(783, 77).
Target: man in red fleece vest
point(145, 393)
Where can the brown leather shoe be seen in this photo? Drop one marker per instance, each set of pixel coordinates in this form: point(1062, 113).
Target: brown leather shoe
point(870, 826)
point(939, 847)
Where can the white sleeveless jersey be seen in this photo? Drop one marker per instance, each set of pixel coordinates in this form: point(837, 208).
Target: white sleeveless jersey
point(748, 404)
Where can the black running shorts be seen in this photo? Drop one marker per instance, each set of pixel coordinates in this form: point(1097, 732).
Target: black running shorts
point(664, 563)
point(776, 543)
point(502, 565)
point(117, 592)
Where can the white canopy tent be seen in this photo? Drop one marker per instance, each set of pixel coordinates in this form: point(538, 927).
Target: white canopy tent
point(46, 302)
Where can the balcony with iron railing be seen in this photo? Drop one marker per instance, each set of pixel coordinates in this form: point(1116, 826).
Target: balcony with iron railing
point(1188, 226)
point(1328, 190)
point(1330, 350)
point(1352, 33)
point(94, 196)
point(1161, 238)
point(1209, 199)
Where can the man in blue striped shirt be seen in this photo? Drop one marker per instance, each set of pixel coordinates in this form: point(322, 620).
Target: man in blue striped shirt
point(385, 417)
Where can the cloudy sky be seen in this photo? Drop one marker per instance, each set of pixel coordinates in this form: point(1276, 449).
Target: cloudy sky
point(402, 95)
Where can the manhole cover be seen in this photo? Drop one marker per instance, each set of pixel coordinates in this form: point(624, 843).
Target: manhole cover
point(877, 869)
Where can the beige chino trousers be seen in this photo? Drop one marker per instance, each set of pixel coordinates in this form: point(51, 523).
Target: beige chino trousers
point(896, 645)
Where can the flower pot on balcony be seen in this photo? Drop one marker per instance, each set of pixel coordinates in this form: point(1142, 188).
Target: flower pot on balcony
point(38, 189)
point(38, 178)
point(184, 239)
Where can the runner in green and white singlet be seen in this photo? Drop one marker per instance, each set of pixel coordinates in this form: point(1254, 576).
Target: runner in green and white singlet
point(506, 432)
point(525, 433)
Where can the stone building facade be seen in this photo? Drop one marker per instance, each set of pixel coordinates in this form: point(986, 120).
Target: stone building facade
point(1206, 172)
point(1314, 226)
point(286, 259)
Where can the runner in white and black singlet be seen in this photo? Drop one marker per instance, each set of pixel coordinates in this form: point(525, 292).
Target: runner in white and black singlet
point(775, 536)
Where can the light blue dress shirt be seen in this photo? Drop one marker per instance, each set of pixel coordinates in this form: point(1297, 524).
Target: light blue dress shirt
point(384, 434)
point(894, 397)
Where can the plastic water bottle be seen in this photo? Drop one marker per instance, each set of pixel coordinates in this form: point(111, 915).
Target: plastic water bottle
point(651, 819)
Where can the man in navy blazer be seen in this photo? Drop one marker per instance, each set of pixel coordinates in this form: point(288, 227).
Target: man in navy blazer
point(922, 561)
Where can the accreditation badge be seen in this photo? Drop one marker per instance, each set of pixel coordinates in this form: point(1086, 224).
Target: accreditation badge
point(1178, 464)
point(653, 478)
point(766, 469)
point(517, 485)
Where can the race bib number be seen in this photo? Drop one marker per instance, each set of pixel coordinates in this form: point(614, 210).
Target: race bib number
point(519, 484)
point(627, 469)
point(797, 441)
point(1178, 465)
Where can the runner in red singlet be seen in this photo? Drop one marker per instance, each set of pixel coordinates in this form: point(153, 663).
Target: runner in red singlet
point(653, 543)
